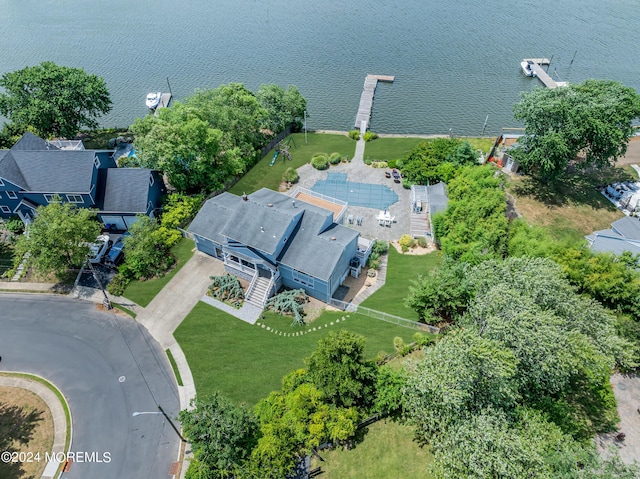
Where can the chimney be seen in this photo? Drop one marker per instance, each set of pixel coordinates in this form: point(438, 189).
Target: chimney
point(262, 229)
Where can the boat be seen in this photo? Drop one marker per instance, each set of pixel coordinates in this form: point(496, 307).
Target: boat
point(153, 99)
point(527, 68)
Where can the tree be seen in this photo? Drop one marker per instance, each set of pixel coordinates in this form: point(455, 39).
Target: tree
point(431, 161)
point(147, 253)
point(58, 238)
point(54, 100)
point(337, 368)
point(283, 107)
point(592, 119)
point(222, 435)
point(186, 148)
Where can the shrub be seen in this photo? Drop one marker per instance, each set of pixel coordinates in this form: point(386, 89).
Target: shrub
point(406, 242)
point(406, 183)
point(178, 209)
point(118, 284)
point(392, 163)
point(354, 134)
point(421, 340)
point(226, 288)
point(369, 135)
point(320, 162)
point(335, 158)
point(15, 225)
point(290, 175)
point(380, 247)
point(422, 242)
point(367, 162)
point(374, 263)
point(374, 164)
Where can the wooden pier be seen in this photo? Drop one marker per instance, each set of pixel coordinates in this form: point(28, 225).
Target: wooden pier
point(543, 76)
point(366, 100)
point(165, 99)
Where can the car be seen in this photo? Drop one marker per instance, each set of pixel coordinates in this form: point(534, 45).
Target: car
point(99, 248)
point(115, 254)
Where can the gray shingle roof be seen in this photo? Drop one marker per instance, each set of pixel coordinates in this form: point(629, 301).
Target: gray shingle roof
point(613, 245)
point(438, 198)
point(127, 190)
point(629, 227)
point(312, 248)
point(31, 142)
point(10, 171)
point(52, 171)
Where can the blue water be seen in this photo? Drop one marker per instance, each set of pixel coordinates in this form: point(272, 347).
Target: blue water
point(356, 194)
point(454, 62)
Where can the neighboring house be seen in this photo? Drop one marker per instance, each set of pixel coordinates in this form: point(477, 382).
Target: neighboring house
point(624, 235)
point(34, 171)
point(274, 240)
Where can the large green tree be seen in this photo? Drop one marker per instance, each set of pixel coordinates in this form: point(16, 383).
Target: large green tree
point(53, 100)
point(591, 120)
point(283, 107)
point(222, 435)
point(58, 238)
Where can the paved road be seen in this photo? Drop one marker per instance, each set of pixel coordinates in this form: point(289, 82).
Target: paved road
point(107, 366)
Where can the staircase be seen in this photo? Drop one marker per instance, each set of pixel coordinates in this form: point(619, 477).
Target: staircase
point(419, 224)
point(256, 295)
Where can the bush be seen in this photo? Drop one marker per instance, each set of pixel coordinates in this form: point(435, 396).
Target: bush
point(367, 162)
point(406, 242)
point(335, 158)
point(118, 284)
point(369, 135)
point(15, 225)
point(354, 134)
point(290, 175)
point(374, 263)
point(179, 209)
point(406, 183)
point(392, 163)
point(320, 162)
point(380, 247)
point(422, 242)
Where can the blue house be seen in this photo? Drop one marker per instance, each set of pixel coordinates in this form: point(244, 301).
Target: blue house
point(273, 240)
point(35, 171)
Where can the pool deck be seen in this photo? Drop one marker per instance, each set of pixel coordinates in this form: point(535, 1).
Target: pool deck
point(358, 172)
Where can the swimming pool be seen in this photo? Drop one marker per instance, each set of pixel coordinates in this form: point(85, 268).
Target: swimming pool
point(356, 194)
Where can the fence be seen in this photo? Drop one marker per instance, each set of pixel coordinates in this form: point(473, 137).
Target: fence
point(389, 318)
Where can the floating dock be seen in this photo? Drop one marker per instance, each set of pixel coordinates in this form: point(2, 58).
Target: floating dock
point(542, 75)
point(165, 99)
point(366, 100)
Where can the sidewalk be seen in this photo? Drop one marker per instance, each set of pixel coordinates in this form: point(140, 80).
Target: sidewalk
point(57, 412)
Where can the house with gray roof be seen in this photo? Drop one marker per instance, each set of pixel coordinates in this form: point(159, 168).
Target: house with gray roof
point(273, 240)
point(624, 235)
point(35, 172)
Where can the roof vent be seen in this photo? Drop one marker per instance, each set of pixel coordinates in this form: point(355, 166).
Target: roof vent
point(333, 238)
point(244, 197)
point(262, 229)
point(293, 203)
point(269, 205)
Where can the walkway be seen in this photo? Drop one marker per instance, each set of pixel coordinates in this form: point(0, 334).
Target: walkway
point(57, 412)
point(366, 100)
point(247, 313)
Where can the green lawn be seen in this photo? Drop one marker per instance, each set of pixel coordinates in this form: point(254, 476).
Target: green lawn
point(385, 149)
point(401, 269)
point(246, 362)
point(388, 450)
point(264, 176)
point(142, 292)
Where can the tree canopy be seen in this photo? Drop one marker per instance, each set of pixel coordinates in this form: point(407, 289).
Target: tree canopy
point(283, 107)
point(53, 100)
point(436, 160)
point(58, 238)
point(591, 120)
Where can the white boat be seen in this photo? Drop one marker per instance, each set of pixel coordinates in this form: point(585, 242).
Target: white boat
point(153, 99)
point(527, 68)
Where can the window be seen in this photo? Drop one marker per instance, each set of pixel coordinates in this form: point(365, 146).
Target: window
point(303, 278)
point(1, 182)
point(151, 180)
point(247, 264)
point(49, 198)
point(75, 199)
point(12, 195)
point(96, 162)
point(5, 209)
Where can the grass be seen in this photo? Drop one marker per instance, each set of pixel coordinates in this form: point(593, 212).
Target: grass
point(401, 268)
point(246, 362)
point(388, 450)
point(264, 176)
point(174, 366)
point(124, 310)
point(569, 208)
point(142, 292)
point(385, 149)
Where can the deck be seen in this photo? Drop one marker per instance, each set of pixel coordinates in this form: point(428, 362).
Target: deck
point(542, 75)
point(366, 100)
point(164, 102)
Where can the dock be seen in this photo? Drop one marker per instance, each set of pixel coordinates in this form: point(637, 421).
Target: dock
point(165, 99)
point(542, 75)
point(366, 100)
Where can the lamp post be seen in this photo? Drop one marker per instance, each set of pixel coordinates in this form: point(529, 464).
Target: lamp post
point(161, 411)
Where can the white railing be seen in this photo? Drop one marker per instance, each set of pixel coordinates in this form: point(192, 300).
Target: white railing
point(267, 291)
point(252, 285)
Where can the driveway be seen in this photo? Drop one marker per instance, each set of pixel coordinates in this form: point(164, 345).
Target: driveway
point(108, 367)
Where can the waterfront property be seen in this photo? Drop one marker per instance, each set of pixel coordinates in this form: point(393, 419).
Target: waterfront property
point(274, 240)
point(35, 172)
point(366, 100)
point(624, 235)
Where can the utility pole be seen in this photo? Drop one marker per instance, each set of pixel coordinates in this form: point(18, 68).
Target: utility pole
point(106, 302)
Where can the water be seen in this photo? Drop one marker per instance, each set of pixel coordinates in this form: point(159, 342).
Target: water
point(454, 62)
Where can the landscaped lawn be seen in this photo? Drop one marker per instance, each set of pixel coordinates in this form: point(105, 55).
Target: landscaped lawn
point(264, 176)
point(385, 149)
point(401, 269)
point(142, 292)
point(388, 450)
point(246, 362)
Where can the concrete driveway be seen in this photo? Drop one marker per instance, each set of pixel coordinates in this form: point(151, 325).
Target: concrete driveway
point(108, 367)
